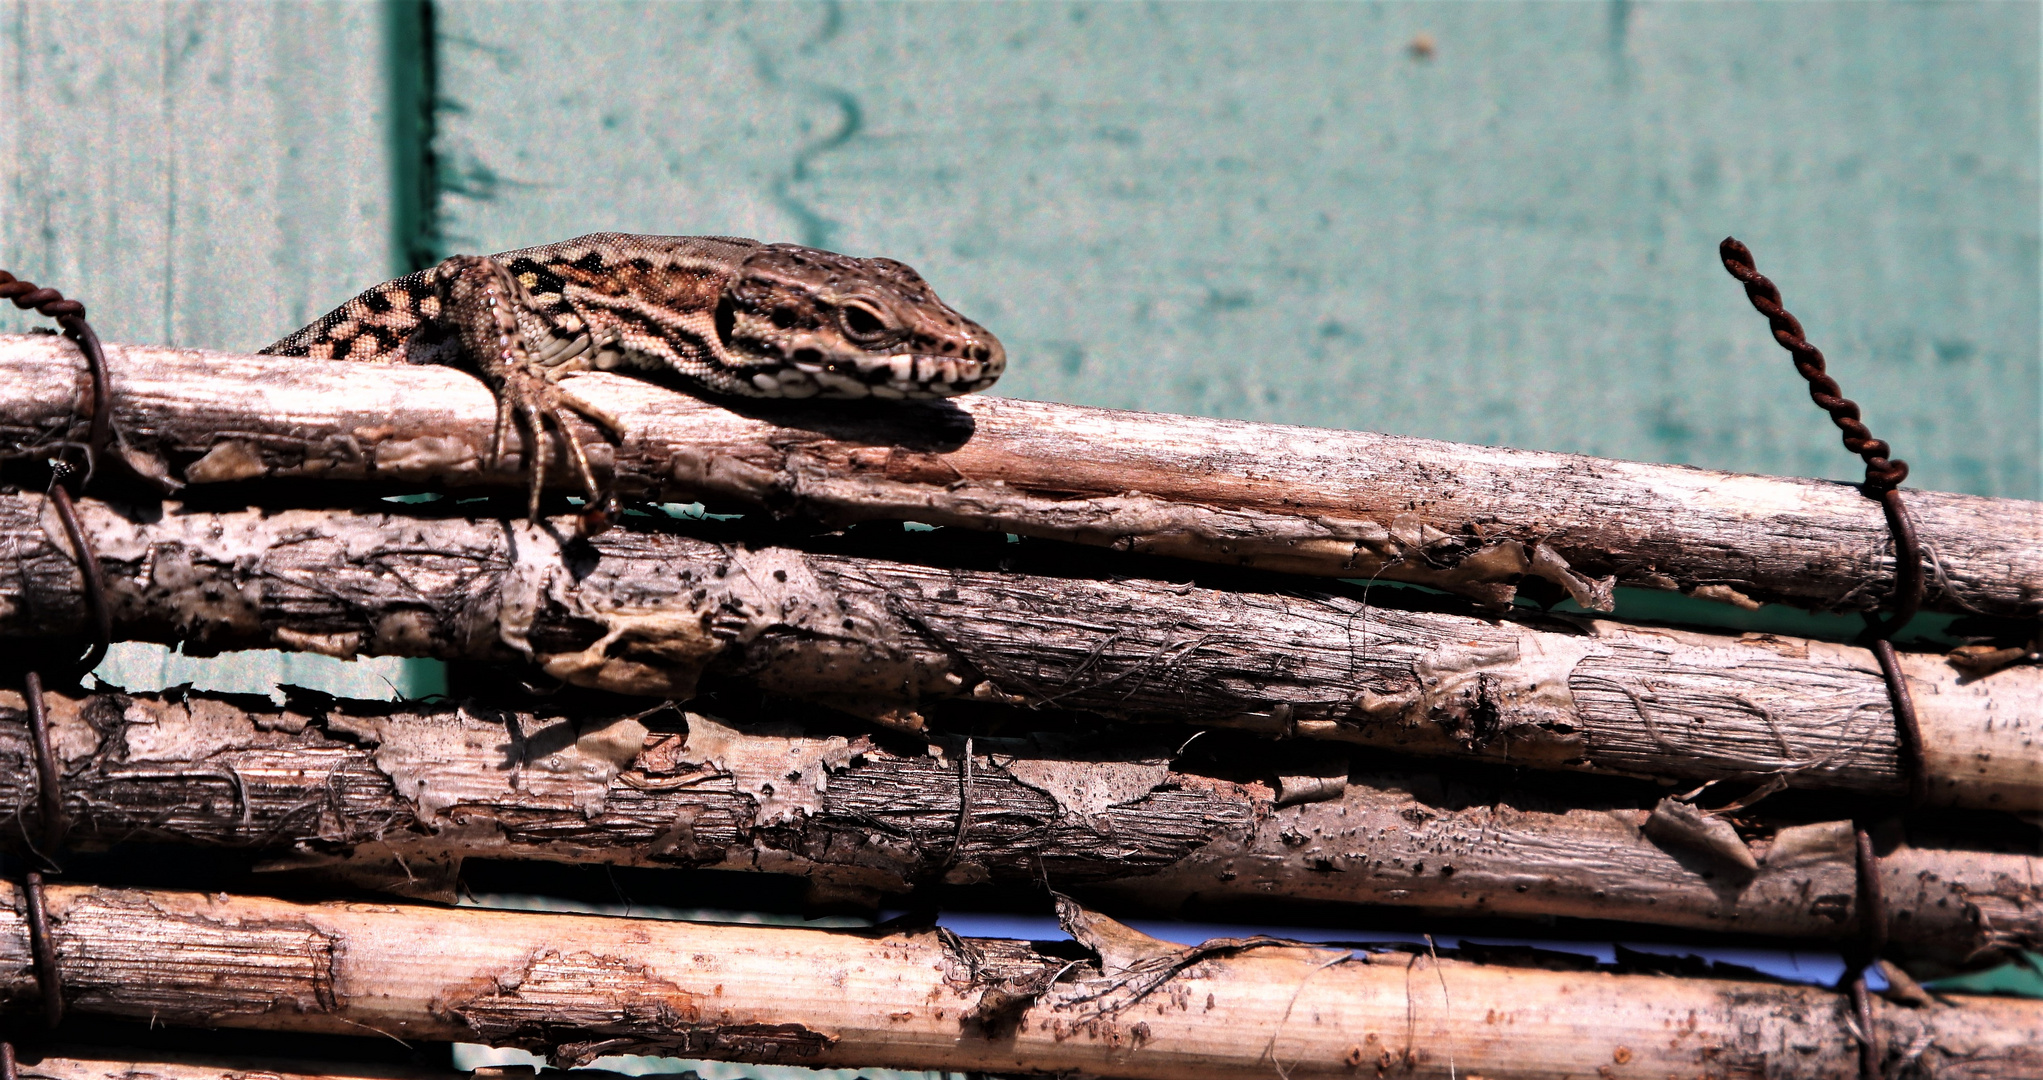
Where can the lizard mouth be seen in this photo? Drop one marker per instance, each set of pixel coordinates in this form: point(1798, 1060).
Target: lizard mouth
point(899, 375)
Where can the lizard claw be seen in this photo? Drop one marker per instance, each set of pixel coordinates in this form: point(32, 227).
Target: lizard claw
point(481, 300)
point(531, 402)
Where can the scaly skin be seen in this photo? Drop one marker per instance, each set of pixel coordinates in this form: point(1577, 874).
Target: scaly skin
point(723, 314)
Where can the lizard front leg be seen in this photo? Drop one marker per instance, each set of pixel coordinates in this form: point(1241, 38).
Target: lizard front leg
point(479, 304)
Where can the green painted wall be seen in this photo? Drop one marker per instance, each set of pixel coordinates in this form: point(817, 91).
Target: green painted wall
point(209, 174)
point(1282, 212)
point(200, 174)
point(1269, 210)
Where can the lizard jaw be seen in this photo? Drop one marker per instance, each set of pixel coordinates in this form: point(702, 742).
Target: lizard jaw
point(896, 376)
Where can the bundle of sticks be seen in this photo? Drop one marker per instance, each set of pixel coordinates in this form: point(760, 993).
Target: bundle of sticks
point(1060, 659)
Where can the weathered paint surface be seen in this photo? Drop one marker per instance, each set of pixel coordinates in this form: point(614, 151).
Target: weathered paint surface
point(1267, 211)
point(1286, 212)
point(210, 174)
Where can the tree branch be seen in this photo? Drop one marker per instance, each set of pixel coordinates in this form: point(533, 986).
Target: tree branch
point(578, 987)
point(396, 797)
point(650, 612)
point(1469, 519)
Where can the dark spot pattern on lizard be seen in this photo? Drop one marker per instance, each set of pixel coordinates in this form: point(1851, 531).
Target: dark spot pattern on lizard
point(722, 314)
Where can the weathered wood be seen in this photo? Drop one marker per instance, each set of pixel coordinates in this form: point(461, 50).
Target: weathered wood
point(397, 797)
point(1470, 519)
point(101, 1063)
point(651, 612)
point(577, 987)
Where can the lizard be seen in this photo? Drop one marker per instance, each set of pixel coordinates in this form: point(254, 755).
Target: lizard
point(719, 314)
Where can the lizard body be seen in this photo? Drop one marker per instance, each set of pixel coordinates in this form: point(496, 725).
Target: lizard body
point(723, 314)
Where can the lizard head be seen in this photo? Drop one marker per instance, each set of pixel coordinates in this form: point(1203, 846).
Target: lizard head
point(798, 322)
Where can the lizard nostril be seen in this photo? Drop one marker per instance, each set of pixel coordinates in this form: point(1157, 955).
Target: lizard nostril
point(980, 353)
point(806, 356)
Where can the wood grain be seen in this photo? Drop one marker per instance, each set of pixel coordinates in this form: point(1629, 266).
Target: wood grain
point(396, 798)
point(196, 174)
point(1476, 520)
point(654, 612)
point(578, 987)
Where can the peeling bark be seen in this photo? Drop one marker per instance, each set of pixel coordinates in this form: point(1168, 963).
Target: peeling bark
point(396, 797)
point(1347, 504)
point(647, 612)
point(573, 987)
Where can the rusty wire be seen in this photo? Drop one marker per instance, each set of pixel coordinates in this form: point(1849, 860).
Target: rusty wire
point(67, 479)
point(1884, 475)
point(1907, 730)
point(98, 616)
point(70, 315)
point(49, 797)
point(1872, 913)
point(1881, 471)
point(43, 947)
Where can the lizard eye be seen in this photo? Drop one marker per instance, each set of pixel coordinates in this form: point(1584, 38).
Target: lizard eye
point(863, 324)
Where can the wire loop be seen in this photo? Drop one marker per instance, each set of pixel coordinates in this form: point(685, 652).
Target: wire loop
point(67, 479)
point(1884, 475)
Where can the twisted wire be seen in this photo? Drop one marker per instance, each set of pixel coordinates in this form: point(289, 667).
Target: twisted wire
point(67, 479)
point(1883, 480)
point(28, 295)
point(70, 314)
point(1882, 472)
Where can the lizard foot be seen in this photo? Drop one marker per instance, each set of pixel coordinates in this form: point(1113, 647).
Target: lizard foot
point(528, 400)
point(481, 302)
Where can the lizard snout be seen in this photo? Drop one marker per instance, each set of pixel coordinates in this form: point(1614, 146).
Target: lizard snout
point(977, 367)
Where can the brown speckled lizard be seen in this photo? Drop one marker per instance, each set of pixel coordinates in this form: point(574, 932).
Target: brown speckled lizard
point(723, 314)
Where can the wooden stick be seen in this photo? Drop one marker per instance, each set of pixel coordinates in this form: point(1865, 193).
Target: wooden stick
point(105, 1063)
point(395, 797)
point(650, 613)
point(578, 987)
point(1468, 519)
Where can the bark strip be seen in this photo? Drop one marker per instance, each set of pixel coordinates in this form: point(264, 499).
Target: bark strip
point(1469, 519)
point(648, 612)
point(397, 797)
point(578, 987)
